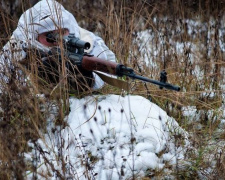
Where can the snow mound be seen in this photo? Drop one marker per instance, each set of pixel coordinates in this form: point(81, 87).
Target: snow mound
point(111, 137)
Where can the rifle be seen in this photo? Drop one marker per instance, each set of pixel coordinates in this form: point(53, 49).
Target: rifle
point(74, 51)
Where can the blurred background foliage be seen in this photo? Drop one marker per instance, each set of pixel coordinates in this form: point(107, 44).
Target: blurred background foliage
point(90, 14)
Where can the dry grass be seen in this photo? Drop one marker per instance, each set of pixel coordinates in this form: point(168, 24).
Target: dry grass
point(198, 69)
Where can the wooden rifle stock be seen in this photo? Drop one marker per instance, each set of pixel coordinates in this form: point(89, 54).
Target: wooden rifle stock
point(91, 63)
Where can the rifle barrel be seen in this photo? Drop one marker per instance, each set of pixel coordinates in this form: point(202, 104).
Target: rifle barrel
point(94, 63)
point(161, 84)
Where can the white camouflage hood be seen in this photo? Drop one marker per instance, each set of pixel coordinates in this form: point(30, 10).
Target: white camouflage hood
point(46, 15)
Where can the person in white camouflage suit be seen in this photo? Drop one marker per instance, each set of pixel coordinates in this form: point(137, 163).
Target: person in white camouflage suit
point(33, 26)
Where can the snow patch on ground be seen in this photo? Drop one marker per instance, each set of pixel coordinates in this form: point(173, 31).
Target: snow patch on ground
point(111, 137)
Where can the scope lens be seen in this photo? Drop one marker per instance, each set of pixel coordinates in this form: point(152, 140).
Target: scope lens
point(87, 45)
point(50, 37)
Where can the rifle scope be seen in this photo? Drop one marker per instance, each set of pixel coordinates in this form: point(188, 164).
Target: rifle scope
point(69, 40)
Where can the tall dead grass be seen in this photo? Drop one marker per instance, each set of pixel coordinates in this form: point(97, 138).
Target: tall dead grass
point(188, 38)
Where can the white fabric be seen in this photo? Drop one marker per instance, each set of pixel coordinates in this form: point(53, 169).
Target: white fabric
point(46, 15)
point(49, 15)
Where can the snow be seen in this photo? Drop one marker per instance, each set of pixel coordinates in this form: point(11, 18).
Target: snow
point(113, 136)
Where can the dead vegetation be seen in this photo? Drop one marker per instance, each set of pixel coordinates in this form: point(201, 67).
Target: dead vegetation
point(185, 37)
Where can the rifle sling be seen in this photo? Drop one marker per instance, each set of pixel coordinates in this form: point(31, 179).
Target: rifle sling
point(113, 82)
